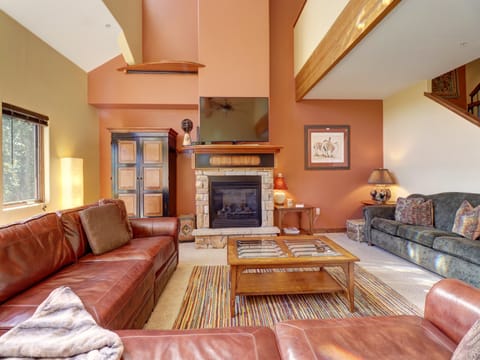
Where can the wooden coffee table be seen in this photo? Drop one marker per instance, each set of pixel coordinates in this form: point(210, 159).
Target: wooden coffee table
point(283, 252)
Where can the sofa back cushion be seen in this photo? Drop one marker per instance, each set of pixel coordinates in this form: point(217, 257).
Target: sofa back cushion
point(30, 251)
point(445, 206)
point(73, 229)
point(105, 227)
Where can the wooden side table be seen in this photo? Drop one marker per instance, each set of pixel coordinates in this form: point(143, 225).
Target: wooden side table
point(280, 212)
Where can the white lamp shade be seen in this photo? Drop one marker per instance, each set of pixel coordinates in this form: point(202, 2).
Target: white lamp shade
point(72, 182)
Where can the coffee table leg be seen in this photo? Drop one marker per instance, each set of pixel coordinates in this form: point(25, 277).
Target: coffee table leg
point(233, 288)
point(350, 281)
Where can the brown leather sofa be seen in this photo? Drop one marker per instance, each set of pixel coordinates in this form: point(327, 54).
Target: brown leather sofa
point(451, 308)
point(119, 288)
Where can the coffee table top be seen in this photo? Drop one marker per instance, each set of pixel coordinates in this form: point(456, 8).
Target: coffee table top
point(286, 250)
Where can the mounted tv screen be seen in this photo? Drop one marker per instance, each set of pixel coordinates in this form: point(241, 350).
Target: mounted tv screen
point(233, 119)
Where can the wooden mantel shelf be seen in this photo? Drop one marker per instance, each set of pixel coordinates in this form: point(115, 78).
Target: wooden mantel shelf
point(232, 149)
point(163, 67)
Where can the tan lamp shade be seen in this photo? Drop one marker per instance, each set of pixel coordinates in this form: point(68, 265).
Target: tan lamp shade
point(381, 177)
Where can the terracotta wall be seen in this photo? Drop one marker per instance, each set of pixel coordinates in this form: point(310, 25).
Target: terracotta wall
point(233, 39)
point(337, 192)
point(170, 30)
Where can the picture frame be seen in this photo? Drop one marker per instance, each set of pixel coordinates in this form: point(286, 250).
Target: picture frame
point(327, 147)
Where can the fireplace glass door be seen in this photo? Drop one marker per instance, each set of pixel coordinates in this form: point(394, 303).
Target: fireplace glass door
point(235, 201)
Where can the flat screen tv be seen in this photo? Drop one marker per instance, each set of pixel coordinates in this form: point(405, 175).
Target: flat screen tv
point(233, 119)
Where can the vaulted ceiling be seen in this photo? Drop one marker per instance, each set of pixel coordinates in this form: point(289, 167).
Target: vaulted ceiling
point(418, 40)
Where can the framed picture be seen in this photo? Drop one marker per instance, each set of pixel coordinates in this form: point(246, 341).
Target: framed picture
point(327, 147)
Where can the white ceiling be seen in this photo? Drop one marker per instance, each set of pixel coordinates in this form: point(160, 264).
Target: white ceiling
point(418, 40)
point(84, 31)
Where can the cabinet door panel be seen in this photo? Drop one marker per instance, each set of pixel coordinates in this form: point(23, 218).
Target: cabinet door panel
point(130, 201)
point(127, 178)
point(152, 152)
point(152, 178)
point(127, 151)
point(153, 205)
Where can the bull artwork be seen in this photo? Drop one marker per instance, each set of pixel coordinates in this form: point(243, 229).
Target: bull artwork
point(327, 148)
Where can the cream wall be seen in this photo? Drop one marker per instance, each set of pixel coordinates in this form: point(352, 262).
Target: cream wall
point(36, 77)
point(427, 147)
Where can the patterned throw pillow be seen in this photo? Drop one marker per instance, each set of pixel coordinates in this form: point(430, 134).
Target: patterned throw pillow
point(414, 211)
point(469, 346)
point(467, 221)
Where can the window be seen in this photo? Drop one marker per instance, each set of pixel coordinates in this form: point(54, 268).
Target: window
point(22, 155)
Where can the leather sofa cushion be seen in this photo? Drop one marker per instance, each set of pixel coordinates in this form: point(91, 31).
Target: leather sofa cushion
point(243, 343)
point(459, 247)
point(105, 227)
point(157, 249)
point(30, 251)
point(74, 233)
point(386, 225)
point(423, 235)
point(399, 337)
point(112, 291)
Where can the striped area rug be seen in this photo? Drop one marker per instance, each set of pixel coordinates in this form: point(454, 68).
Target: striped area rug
point(206, 305)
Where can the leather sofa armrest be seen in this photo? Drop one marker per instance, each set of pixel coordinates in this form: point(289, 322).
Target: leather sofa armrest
point(144, 227)
point(370, 212)
point(453, 306)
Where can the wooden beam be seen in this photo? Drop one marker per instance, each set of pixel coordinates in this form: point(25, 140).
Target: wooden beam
point(357, 19)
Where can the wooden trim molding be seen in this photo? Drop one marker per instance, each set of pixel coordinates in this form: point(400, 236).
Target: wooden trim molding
point(163, 67)
point(452, 107)
point(357, 19)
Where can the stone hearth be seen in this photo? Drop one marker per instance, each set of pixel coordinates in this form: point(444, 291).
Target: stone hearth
point(231, 163)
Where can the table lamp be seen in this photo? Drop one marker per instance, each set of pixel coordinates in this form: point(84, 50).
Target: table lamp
point(279, 185)
point(380, 177)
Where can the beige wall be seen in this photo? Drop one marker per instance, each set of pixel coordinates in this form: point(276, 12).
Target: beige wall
point(428, 148)
point(35, 77)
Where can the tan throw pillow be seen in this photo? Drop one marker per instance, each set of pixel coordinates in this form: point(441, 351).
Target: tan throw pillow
point(414, 211)
point(123, 210)
point(467, 221)
point(105, 228)
point(469, 346)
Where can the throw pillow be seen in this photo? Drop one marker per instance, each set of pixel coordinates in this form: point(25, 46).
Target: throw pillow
point(414, 211)
point(105, 228)
point(123, 210)
point(469, 346)
point(467, 221)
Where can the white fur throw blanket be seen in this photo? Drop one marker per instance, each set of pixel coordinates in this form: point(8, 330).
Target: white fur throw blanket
point(60, 328)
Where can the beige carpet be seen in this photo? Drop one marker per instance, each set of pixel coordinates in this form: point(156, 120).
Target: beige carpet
point(167, 308)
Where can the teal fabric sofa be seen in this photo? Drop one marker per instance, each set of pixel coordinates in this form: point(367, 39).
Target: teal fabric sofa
point(435, 248)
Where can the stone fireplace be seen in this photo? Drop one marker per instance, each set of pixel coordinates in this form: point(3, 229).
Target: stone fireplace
point(233, 193)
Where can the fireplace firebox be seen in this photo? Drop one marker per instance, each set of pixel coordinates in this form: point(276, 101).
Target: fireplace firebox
point(235, 201)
